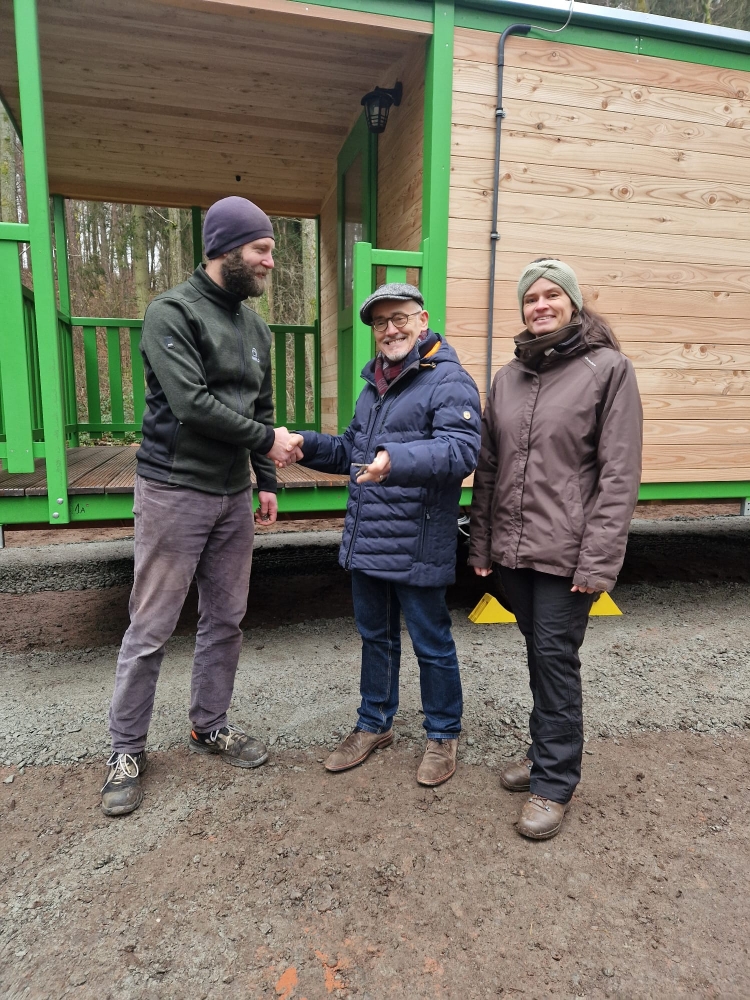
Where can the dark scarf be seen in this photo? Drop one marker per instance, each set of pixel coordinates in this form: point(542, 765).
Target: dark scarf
point(533, 350)
point(387, 371)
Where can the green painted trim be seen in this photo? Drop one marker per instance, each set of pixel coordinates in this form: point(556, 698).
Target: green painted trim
point(195, 219)
point(119, 506)
point(23, 510)
point(45, 305)
point(17, 232)
point(319, 498)
point(674, 491)
point(17, 420)
point(61, 255)
point(620, 21)
point(396, 258)
point(416, 10)
point(361, 333)
point(593, 38)
point(614, 39)
point(693, 491)
point(95, 321)
point(436, 180)
point(685, 52)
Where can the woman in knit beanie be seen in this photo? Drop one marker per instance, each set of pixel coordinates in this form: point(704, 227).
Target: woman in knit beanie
point(554, 492)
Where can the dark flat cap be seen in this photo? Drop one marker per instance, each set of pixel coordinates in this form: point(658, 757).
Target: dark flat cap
point(396, 292)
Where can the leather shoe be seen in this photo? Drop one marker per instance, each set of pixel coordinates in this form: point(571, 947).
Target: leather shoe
point(516, 777)
point(438, 763)
point(357, 747)
point(540, 818)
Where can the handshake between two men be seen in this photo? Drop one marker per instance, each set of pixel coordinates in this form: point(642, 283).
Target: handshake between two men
point(287, 449)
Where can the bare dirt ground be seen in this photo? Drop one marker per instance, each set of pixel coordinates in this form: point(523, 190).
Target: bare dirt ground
point(288, 882)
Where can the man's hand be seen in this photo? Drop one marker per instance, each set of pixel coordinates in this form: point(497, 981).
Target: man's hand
point(377, 470)
point(583, 590)
point(294, 444)
point(268, 508)
point(482, 570)
point(280, 453)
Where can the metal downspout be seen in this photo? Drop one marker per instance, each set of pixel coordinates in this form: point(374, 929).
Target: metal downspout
point(512, 29)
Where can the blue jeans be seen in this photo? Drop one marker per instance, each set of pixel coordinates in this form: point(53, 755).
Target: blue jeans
point(377, 610)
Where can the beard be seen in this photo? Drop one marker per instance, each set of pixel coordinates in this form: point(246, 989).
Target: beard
point(240, 279)
point(397, 355)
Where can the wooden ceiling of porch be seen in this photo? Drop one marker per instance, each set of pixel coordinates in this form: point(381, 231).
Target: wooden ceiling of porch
point(181, 102)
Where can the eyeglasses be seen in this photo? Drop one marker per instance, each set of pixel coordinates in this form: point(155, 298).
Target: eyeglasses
point(399, 320)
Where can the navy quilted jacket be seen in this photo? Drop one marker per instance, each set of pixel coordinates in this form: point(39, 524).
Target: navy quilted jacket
point(405, 529)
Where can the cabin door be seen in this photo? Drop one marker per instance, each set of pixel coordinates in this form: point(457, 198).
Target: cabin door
point(357, 194)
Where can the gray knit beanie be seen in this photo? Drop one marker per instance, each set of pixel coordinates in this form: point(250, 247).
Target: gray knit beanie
point(553, 270)
point(232, 222)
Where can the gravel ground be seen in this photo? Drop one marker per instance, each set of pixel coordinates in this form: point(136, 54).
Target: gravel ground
point(678, 658)
point(288, 883)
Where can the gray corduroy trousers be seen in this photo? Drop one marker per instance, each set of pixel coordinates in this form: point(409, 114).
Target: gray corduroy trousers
point(180, 534)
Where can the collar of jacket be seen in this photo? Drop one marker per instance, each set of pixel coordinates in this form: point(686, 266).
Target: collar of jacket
point(412, 361)
point(532, 351)
point(208, 287)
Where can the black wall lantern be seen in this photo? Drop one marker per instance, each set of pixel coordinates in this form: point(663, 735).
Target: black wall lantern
point(378, 103)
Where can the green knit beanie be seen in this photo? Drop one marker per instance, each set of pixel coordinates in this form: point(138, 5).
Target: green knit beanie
point(553, 270)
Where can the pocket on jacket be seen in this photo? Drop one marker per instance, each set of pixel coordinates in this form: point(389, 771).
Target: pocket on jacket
point(574, 507)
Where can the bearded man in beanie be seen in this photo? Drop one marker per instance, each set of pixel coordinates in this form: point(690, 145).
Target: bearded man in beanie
point(207, 358)
point(414, 438)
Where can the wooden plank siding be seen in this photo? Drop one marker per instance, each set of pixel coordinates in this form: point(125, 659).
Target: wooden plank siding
point(400, 159)
point(636, 170)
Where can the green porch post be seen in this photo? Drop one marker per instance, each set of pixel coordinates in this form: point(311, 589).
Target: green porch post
point(61, 254)
point(437, 156)
point(37, 197)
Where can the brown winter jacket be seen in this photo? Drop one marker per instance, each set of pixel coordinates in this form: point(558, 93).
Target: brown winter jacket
point(560, 465)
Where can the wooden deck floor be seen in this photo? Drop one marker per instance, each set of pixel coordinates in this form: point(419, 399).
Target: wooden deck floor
point(112, 470)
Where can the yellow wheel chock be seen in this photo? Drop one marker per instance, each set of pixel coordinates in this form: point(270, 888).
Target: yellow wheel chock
point(490, 611)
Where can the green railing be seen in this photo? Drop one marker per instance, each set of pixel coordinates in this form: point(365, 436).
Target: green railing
point(109, 395)
point(296, 364)
point(115, 392)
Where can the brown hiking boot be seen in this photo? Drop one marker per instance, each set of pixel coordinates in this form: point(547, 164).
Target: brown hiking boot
point(540, 818)
point(516, 777)
point(357, 747)
point(438, 763)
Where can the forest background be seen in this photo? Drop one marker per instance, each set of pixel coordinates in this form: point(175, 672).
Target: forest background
point(121, 256)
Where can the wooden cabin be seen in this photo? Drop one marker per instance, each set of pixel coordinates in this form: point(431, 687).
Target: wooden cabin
point(625, 150)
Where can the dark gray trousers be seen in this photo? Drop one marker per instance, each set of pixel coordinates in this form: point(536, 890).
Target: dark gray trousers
point(553, 622)
point(181, 534)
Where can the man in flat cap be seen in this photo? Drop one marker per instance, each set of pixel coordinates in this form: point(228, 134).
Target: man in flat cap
point(414, 438)
point(209, 409)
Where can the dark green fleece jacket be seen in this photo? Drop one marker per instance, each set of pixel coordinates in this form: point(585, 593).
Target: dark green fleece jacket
point(209, 402)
